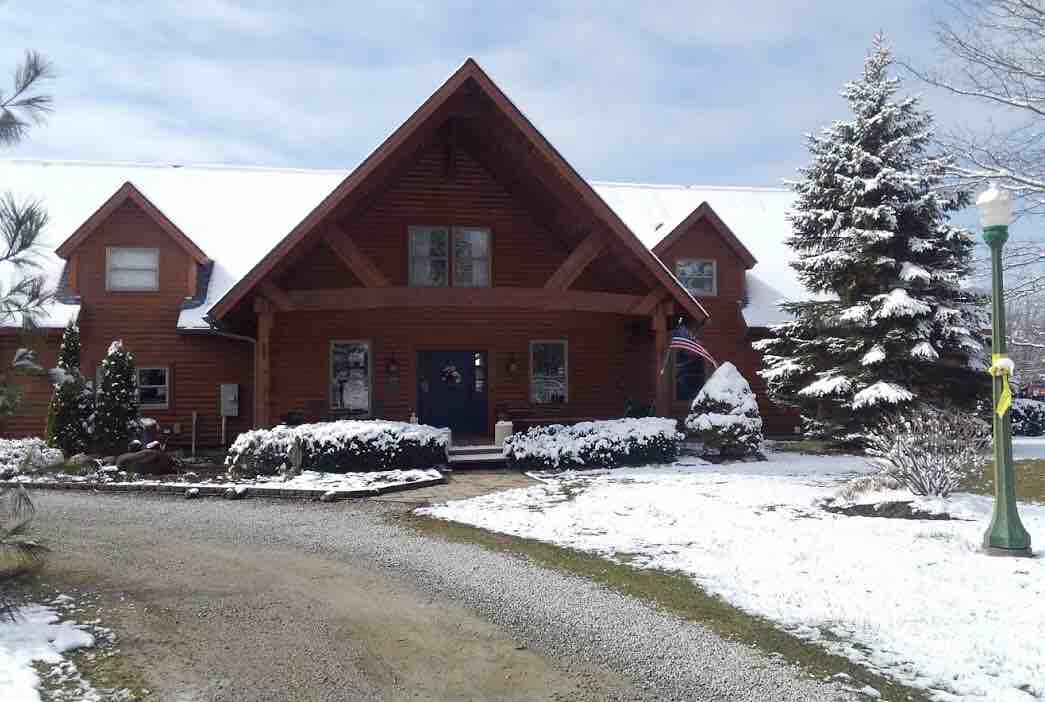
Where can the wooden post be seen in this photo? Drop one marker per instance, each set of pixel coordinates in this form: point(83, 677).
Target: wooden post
point(663, 389)
point(262, 362)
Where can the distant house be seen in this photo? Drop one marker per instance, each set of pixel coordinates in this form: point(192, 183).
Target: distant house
point(462, 273)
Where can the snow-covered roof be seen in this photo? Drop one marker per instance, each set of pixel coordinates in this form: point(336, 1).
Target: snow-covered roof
point(236, 215)
point(756, 215)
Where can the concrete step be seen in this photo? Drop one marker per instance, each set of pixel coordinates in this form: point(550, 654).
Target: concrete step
point(473, 450)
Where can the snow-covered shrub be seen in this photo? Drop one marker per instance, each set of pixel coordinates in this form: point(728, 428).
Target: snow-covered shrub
point(724, 416)
point(71, 411)
point(26, 456)
point(117, 404)
point(865, 484)
point(603, 444)
point(338, 447)
point(1028, 417)
point(929, 451)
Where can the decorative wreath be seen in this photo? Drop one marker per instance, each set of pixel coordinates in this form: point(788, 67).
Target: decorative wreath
point(451, 376)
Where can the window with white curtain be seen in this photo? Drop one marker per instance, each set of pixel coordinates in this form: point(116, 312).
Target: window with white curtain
point(436, 250)
point(129, 268)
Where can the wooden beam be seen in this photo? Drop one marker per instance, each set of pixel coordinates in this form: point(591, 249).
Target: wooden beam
point(649, 303)
point(357, 261)
point(476, 298)
point(277, 295)
point(663, 390)
point(571, 269)
point(263, 362)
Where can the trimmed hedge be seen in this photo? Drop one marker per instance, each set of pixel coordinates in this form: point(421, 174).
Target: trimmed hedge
point(1028, 417)
point(345, 446)
point(603, 444)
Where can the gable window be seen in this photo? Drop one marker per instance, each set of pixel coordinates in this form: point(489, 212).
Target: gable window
point(548, 373)
point(690, 375)
point(154, 388)
point(436, 250)
point(132, 269)
point(350, 376)
point(698, 275)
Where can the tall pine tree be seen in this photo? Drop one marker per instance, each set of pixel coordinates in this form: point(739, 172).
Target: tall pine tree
point(117, 403)
point(71, 410)
point(888, 324)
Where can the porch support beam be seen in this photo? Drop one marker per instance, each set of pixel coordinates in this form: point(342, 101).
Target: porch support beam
point(277, 295)
point(579, 259)
point(649, 303)
point(475, 298)
point(660, 380)
point(262, 361)
point(351, 255)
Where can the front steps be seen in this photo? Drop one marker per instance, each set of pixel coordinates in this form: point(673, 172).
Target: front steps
point(473, 457)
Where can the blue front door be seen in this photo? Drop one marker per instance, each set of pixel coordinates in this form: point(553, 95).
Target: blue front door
point(452, 390)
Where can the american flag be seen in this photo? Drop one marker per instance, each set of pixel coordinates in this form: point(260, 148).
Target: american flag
point(683, 339)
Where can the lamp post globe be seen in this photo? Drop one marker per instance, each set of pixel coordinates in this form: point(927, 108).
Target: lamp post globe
point(1005, 536)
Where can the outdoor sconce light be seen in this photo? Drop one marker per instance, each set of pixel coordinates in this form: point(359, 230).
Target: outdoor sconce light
point(513, 365)
point(392, 367)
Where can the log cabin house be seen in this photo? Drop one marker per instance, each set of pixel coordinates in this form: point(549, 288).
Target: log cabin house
point(464, 272)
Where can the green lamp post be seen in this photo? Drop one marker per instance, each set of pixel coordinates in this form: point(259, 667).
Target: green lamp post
point(1006, 535)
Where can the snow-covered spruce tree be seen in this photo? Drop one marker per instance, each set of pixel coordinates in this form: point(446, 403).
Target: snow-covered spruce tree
point(117, 403)
point(71, 410)
point(889, 324)
point(724, 416)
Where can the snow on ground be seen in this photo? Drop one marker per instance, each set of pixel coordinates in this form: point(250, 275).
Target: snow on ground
point(38, 636)
point(1028, 447)
point(916, 600)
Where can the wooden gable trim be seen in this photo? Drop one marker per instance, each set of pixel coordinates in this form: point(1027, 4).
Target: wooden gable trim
point(578, 260)
point(470, 70)
point(353, 258)
point(705, 211)
point(129, 193)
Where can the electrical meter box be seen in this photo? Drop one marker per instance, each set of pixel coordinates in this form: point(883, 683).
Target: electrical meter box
point(229, 400)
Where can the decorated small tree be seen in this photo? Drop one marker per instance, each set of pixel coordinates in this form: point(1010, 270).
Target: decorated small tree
point(724, 416)
point(71, 410)
point(117, 404)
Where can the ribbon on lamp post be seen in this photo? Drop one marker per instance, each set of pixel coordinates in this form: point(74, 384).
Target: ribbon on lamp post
point(1002, 367)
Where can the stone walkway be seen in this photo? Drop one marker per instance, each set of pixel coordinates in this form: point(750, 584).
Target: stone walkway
point(460, 485)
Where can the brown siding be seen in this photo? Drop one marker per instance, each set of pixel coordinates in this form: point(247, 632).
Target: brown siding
point(35, 391)
point(147, 321)
point(726, 334)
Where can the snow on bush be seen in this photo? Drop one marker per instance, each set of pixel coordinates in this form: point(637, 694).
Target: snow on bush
point(26, 456)
point(929, 451)
point(1028, 417)
point(338, 447)
point(724, 416)
point(602, 444)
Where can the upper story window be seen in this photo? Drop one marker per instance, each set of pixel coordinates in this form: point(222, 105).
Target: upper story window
point(698, 275)
point(132, 269)
point(435, 251)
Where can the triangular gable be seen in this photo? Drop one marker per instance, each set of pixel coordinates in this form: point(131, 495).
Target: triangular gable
point(128, 193)
point(704, 211)
point(470, 70)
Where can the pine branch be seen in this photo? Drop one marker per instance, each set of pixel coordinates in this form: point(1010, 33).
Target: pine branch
point(25, 105)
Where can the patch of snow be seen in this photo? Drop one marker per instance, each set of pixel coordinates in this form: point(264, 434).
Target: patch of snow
point(912, 271)
point(875, 355)
point(35, 636)
point(827, 384)
point(882, 392)
point(925, 351)
point(30, 453)
point(914, 600)
point(898, 303)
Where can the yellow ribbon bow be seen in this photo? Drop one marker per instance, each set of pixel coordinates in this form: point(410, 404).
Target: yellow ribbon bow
point(1002, 367)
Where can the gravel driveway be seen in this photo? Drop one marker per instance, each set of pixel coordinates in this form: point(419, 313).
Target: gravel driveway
point(266, 600)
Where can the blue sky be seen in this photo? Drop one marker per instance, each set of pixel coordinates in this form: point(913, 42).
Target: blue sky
point(711, 92)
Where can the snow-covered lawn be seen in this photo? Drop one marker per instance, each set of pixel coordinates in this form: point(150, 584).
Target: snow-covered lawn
point(1028, 447)
point(38, 636)
point(915, 600)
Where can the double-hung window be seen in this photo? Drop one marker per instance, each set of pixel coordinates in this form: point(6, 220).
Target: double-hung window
point(441, 256)
point(128, 269)
point(549, 383)
point(154, 388)
point(698, 275)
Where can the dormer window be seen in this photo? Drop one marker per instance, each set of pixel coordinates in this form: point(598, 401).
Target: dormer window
point(698, 275)
point(132, 269)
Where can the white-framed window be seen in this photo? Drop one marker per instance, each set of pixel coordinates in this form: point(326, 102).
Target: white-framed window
point(128, 268)
point(435, 251)
point(350, 376)
point(154, 385)
point(699, 275)
point(549, 372)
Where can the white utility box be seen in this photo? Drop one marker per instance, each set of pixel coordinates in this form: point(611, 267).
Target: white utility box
point(229, 400)
point(501, 431)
